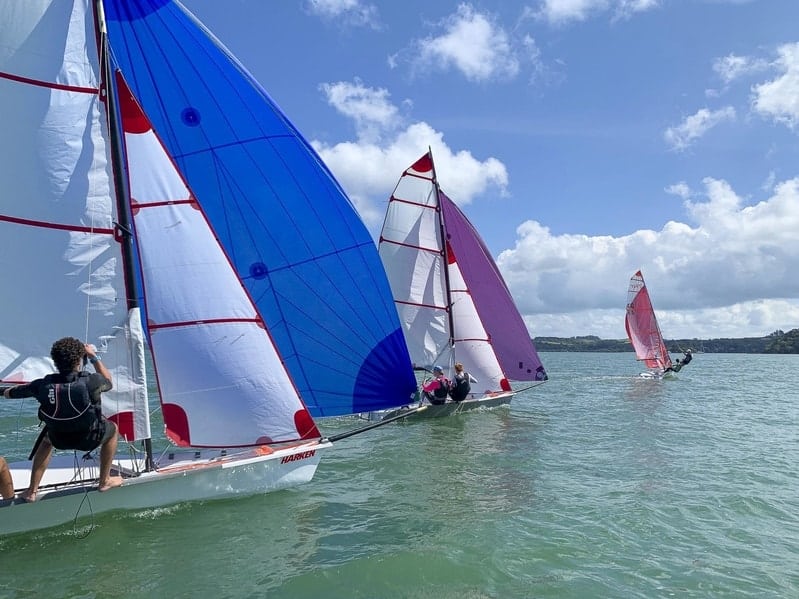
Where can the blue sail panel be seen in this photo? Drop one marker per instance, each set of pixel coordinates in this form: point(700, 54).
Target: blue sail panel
point(293, 236)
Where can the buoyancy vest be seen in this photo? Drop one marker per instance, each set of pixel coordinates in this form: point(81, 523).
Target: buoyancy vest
point(442, 390)
point(67, 407)
point(460, 388)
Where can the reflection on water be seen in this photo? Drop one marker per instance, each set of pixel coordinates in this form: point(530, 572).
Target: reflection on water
point(640, 389)
point(595, 484)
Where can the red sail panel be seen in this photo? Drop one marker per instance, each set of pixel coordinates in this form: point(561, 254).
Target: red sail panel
point(642, 326)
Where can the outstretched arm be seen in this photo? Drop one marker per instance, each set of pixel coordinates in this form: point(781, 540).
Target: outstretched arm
point(18, 392)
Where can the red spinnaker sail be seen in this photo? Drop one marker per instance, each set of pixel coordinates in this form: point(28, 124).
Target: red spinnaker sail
point(642, 326)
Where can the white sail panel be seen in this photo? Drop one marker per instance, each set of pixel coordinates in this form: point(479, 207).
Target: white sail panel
point(127, 403)
point(222, 386)
point(471, 343)
point(57, 207)
point(411, 251)
point(214, 360)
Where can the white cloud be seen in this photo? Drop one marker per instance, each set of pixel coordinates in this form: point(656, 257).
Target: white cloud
point(696, 125)
point(732, 67)
point(386, 146)
point(564, 11)
point(729, 271)
point(731, 274)
point(626, 8)
point(350, 12)
point(778, 99)
point(680, 189)
point(370, 108)
point(474, 44)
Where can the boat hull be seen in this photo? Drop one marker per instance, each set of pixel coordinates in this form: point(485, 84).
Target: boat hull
point(190, 476)
point(450, 408)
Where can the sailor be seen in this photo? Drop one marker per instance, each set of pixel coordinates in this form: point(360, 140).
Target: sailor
point(687, 357)
point(461, 384)
point(69, 405)
point(437, 388)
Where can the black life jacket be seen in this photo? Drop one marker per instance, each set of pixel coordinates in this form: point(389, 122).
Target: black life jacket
point(67, 407)
point(460, 388)
point(442, 390)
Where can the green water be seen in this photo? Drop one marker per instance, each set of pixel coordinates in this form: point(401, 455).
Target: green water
point(597, 484)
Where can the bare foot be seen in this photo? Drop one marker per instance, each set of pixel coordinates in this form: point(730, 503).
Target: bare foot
point(28, 496)
point(113, 481)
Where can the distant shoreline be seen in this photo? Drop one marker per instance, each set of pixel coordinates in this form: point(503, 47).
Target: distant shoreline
point(775, 343)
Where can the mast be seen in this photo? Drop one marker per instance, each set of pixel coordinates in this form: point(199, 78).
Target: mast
point(123, 232)
point(443, 231)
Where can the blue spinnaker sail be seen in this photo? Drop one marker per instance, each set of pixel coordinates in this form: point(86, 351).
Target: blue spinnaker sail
point(293, 236)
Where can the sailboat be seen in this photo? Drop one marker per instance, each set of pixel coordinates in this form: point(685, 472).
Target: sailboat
point(453, 303)
point(209, 236)
point(643, 330)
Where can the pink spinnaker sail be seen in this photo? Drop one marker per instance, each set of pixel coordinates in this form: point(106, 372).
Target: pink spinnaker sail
point(642, 326)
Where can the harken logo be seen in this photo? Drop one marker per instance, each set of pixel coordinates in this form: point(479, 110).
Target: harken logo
point(298, 456)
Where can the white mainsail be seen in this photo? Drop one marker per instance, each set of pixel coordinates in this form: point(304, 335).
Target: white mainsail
point(452, 300)
point(60, 262)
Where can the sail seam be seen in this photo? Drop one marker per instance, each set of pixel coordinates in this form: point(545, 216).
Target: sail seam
point(406, 303)
point(49, 225)
point(412, 203)
point(49, 84)
point(153, 326)
point(413, 247)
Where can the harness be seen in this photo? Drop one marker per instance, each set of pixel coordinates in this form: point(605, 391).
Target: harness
point(67, 407)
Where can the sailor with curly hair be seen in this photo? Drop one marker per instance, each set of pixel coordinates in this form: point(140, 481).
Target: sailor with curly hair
point(69, 406)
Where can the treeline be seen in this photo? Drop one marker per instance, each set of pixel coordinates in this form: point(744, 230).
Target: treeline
point(777, 342)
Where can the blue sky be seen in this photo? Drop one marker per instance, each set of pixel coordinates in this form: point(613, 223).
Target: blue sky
point(585, 139)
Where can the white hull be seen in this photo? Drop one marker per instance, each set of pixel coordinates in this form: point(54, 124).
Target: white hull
point(450, 408)
point(67, 494)
point(656, 374)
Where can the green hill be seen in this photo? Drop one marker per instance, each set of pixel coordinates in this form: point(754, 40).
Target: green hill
point(777, 342)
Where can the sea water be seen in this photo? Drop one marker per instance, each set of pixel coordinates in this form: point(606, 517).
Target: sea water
point(595, 484)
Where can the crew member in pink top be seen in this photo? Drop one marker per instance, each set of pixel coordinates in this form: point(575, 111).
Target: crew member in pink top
point(437, 388)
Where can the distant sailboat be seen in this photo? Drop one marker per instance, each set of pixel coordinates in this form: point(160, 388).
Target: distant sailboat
point(453, 303)
point(152, 189)
point(643, 330)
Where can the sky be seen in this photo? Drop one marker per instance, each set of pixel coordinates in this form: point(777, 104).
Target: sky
point(584, 139)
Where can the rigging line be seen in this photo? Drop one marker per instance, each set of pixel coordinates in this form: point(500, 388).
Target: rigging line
point(86, 499)
point(369, 427)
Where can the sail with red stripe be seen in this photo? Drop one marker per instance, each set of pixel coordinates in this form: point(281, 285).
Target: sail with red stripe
point(220, 377)
point(453, 303)
point(61, 264)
